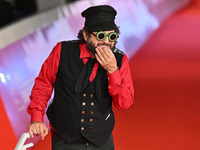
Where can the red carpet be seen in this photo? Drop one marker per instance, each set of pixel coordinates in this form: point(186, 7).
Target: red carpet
point(166, 75)
point(7, 138)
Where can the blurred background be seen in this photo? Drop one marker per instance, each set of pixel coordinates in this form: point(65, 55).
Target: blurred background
point(161, 39)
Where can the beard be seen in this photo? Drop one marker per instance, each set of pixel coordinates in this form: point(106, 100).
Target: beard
point(91, 46)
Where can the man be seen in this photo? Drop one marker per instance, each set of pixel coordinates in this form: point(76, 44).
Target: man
point(87, 75)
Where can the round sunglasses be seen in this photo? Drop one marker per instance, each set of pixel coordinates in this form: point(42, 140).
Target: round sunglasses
point(101, 36)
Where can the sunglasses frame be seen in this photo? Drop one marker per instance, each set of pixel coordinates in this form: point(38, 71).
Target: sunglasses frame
point(106, 35)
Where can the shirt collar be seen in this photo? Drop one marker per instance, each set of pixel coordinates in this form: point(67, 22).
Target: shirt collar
point(84, 52)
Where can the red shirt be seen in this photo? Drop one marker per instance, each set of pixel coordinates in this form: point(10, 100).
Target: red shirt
point(120, 83)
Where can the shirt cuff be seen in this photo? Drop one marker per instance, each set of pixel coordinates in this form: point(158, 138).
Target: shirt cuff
point(37, 116)
point(114, 78)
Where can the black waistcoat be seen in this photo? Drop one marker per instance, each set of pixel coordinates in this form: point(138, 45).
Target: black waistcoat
point(75, 115)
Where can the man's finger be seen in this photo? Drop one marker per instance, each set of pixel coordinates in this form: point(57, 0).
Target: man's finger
point(100, 55)
point(31, 133)
point(42, 132)
point(45, 131)
point(34, 131)
point(104, 52)
point(37, 129)
point(97, 58)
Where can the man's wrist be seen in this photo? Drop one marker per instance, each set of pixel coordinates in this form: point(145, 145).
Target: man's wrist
point(113, 70)
point(35, 122)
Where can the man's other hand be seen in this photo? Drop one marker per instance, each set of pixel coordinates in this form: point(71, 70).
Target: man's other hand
point(38, 128)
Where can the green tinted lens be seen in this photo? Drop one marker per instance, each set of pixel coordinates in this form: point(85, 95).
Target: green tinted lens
point(101, 36)
point(112, 36)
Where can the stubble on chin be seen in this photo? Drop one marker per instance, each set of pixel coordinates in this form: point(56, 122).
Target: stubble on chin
point(91, 47)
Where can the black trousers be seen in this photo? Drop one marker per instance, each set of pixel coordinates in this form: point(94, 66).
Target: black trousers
point(58, 144)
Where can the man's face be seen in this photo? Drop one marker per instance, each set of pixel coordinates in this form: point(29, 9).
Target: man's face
point(92, 42)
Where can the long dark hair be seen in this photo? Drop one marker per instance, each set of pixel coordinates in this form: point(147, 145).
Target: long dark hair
point(88, 33)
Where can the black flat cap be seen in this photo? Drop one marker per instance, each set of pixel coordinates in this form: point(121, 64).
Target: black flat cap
point(100, 18)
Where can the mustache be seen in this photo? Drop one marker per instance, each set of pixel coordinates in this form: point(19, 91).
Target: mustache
point(104, 44)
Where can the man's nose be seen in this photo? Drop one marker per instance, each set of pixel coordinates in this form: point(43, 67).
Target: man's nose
point(106, 40)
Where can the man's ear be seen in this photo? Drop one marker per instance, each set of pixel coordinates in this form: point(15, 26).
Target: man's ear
point(85, 35)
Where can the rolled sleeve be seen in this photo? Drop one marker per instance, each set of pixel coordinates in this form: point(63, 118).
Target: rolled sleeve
point(37, 116)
